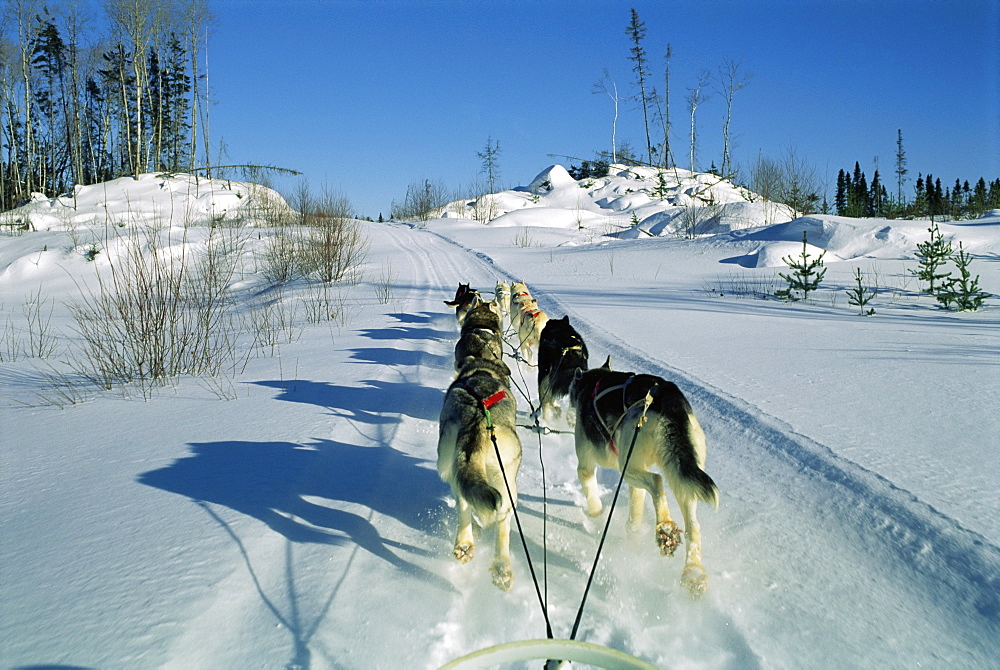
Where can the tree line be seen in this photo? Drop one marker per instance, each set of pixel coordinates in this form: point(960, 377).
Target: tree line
point(857, 197)
point(81, 107)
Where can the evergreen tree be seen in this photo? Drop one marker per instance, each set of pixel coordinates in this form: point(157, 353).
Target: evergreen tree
point(807, 272)
point(840, 199)
point(932, 255)
point(636, 32)
point(860, 296)
point(900, 166)
point(876, 196)
point(962, 291)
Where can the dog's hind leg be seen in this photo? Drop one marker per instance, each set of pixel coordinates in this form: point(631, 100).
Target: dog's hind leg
point(465, 546)
point(503, 573)
point(586, 472)
point(694, 578)
point(668, 535)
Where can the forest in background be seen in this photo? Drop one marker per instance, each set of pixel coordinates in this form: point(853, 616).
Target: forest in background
point(92, 92)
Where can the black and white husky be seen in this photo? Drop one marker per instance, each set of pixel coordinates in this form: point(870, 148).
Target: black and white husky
point(610, 407)
point(465, 299)
point(561, 352)
point(478, 408)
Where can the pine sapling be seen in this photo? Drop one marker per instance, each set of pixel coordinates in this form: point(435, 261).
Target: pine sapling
point(860, 296)
point(963, 291)
point(932, 255)
point(807, 273)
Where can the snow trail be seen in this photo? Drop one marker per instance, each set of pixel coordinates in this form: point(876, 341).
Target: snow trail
point(926, 576)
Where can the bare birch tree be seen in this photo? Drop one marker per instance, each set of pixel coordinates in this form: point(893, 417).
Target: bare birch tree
point(730, 79)
point(607, 86)
point(667, 154)
point(696, 97)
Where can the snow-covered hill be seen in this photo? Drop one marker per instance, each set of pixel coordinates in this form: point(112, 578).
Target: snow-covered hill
point(287, 513)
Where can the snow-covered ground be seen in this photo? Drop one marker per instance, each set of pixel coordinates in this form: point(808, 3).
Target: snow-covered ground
point(289, 514)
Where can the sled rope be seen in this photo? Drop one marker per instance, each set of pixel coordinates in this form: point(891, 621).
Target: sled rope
point(597, 394)
point(486, 404)
point(646, 402)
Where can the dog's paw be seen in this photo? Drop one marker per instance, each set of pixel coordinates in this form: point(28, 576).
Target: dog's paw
point(593, 511)
point(668, 537)
point(503, 574)
point(695, 580)
point(464, 551)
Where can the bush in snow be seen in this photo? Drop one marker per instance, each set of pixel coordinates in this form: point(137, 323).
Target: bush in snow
point(807, 272)
point(932, 255)
point(859, 296)
point(963, 291)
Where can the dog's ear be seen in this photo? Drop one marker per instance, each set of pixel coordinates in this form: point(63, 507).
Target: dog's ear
point(565, 319)
point(607, 363)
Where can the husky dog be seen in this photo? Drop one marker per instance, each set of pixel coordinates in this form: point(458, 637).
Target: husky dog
point(465, 299)
point(502, 296)
point(609, 406)
point(485, 315)
point(478, 408)
point(529, 329)
point(561, 352)
point(478, 343)
point(518, 294)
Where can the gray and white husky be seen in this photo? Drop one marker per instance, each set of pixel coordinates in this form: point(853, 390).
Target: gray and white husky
point(481, 334)
point(610, 405)
point(479, 407)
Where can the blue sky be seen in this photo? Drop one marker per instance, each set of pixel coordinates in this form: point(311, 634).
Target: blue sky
point(369, 97)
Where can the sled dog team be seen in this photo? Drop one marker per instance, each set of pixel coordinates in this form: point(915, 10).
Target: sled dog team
point(620, 417)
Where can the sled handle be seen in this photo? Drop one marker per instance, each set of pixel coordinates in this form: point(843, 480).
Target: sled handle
point(566, 650)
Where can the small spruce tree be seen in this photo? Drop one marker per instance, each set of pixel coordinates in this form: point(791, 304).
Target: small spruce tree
point(807, 272)
point(963, 291)
point(859, 296)
point(932, 255)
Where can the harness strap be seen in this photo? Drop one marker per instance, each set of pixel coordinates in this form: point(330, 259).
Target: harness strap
point(598, 393)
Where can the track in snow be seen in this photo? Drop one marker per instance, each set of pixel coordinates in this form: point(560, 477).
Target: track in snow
point(804, 533)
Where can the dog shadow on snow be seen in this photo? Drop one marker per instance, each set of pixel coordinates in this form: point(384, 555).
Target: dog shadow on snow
point(285, 485)
point(373, 401)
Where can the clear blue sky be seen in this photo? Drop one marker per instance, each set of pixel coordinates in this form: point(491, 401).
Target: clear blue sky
point(368, 97)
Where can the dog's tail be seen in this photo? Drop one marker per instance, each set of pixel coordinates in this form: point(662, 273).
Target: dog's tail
point(688, 447)
point(473, 484)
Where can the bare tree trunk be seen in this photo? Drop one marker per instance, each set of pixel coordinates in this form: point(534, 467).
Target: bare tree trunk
point(730, 80)
point(695, 98)
point(608, 87)
point(23, 13)
point(197, 19)
point(667, 154)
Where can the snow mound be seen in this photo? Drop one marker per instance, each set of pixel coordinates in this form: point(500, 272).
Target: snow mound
point(550, 179)
point(845, 238)
point(169, 200)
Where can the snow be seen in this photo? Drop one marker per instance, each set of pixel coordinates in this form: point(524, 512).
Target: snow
point(289, 514)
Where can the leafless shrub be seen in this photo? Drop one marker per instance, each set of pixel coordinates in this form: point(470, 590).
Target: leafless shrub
point(148, 319)
point(694, 219)
point(383, 287)
point(522, 238)
point(10, 342)
point(423, 201)
point(41, 342)
point(273, 322)
point(322, 305)
point(277, 263)
point(333, 243)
